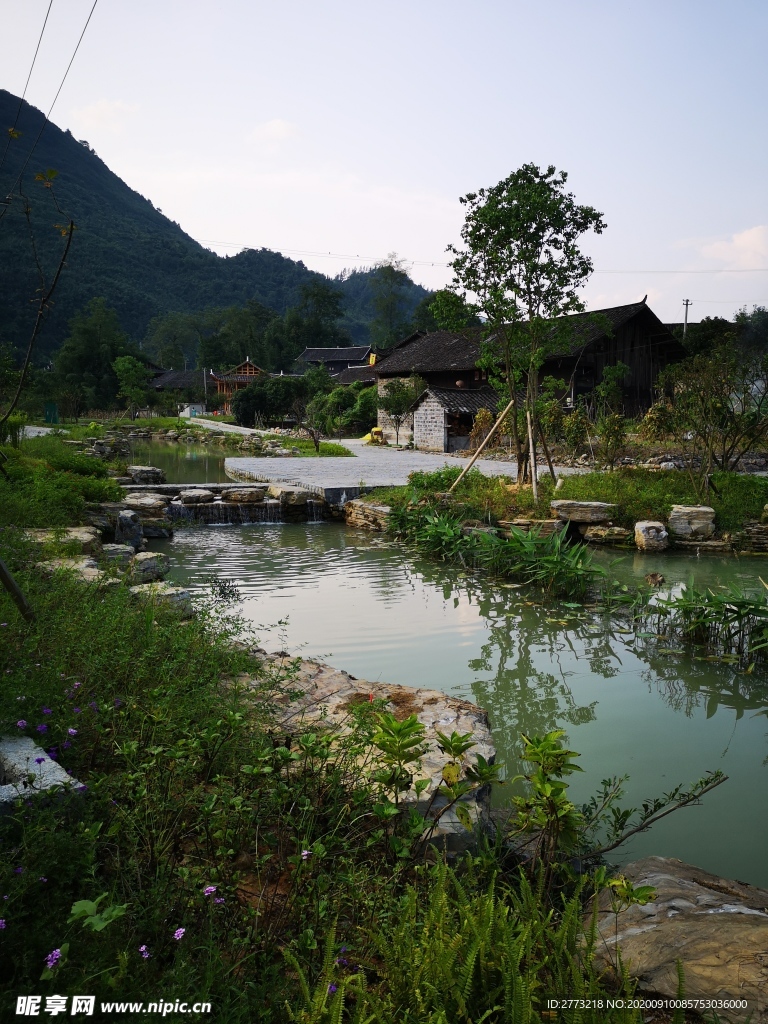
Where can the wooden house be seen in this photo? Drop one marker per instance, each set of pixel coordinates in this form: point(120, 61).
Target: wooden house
point(230, 381)
point(336, 360)
point(447, 361)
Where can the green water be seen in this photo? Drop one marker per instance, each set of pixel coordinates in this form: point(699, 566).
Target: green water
point(629, 706)
point(183, 463)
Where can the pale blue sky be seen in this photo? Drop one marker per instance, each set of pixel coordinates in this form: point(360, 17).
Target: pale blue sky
point(353, 127)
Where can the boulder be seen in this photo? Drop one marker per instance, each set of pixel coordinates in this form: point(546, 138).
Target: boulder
point(118, 554)
point(26, 769)
point(150, 566)
point(145, 474)
point(128, 529)
point(85, 569)
point(164, 594)
point(544, 527)
point(157, 529)
point(717, 929)
point(147, 502)
point(605, 534)
point(583, 511)
point(198, 496)
point(289, 495)
point(691, 522)
point(650, 536)
point(243, 495)
point(87, 538)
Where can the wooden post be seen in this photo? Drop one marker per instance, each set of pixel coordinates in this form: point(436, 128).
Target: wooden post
point(476, 456)
point(16, 592)
point(532, 450)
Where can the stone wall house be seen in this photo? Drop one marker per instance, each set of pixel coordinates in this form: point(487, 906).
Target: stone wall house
point(443, 417)
point(584, 343)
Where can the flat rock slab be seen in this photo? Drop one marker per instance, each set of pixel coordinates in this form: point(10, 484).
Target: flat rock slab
point(85, 569)
point(88, 538)
point(243, 495)
point(147, 502)
point(605, 534)
point(583, 511)
point(290, 495)
point(326, 696)
point(163, 593)
point(366, 515)
point(544, 527)
point(196, 496)
point(145, 474)
point(717, 928)
point(118, 554)
point(21, 776)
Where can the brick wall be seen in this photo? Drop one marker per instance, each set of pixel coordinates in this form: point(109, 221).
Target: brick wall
point(429, 426)
point(383, 420)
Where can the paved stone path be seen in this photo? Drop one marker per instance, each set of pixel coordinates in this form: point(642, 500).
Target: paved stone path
point(338, 479)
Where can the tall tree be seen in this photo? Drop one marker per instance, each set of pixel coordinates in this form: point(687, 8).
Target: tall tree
point(133, 377)
point(389, 283)
point(522, 261)
point(86, 359)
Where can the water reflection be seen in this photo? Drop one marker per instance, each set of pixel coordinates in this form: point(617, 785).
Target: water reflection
point(628, 703)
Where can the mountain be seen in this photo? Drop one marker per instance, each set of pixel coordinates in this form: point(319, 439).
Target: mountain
point(123, 249)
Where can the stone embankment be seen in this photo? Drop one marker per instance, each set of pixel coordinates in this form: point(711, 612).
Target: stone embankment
point(716, 928)
point(93, 562)
point(165, 504)
point(316, 696)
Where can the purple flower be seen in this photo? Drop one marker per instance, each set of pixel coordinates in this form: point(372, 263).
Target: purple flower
point(179, 933)
point(219, 899)
point(118, 702)
point(305, 854)
point(93, 705)
point(77, 711)
point(144, 952)
point(53, 958)
point(47, 711)
point(18, 871)
point(42, 727)
point(209, 890)
point(82, 789)
point(42, 878)
point(3, 623)
point(72, 732)
point(331, 989)
point(2, 919)
point(342, 960)
point(53, 752)
point(65, 745)
point(21, 724)
point(39, 760)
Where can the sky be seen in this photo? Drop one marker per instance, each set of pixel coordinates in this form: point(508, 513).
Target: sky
point(341, 132)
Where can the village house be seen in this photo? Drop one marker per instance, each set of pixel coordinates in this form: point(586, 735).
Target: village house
point(336, 360)
point(447, 360)
point(230, 381)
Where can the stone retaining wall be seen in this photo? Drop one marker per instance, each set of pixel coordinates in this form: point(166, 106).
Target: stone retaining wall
point(365, 515)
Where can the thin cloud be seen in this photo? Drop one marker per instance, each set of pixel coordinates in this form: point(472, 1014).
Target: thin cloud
point(111, 116)
point(745, 250)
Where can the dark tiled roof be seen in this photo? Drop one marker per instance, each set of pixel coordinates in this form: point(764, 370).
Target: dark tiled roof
point(171, 380)
point(237, 378)
point(438, 350)
point(367, 374)
point(460, 350)
point(457, 400)
point(352, 354)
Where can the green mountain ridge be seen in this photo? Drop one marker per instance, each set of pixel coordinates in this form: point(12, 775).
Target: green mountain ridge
point(125, 250)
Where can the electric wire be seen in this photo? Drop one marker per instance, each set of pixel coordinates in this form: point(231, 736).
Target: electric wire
point(26, 86)
point(50, 109)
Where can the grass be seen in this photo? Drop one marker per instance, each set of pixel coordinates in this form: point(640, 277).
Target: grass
point(50, 484)
point(637, 493)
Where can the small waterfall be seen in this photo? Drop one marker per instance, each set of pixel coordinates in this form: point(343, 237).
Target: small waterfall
point(343, 498)
point(272, 513)
point(314, 510)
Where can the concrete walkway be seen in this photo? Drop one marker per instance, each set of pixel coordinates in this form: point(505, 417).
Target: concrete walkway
point(339, 479)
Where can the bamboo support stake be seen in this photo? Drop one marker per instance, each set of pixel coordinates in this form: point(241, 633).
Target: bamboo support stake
point(16, 592)
point(476, 456)
point(532, 450)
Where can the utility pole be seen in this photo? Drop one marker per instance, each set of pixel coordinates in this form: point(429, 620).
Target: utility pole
point(686, 303)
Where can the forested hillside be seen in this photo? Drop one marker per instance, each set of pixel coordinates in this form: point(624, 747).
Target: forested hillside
point(127, 252)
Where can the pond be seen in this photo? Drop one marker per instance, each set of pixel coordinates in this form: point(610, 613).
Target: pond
point(183, 463)
point(630, 705)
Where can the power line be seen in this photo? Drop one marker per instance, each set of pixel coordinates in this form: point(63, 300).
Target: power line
point(437, 263)
point(50, 109)
point(26, 84)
